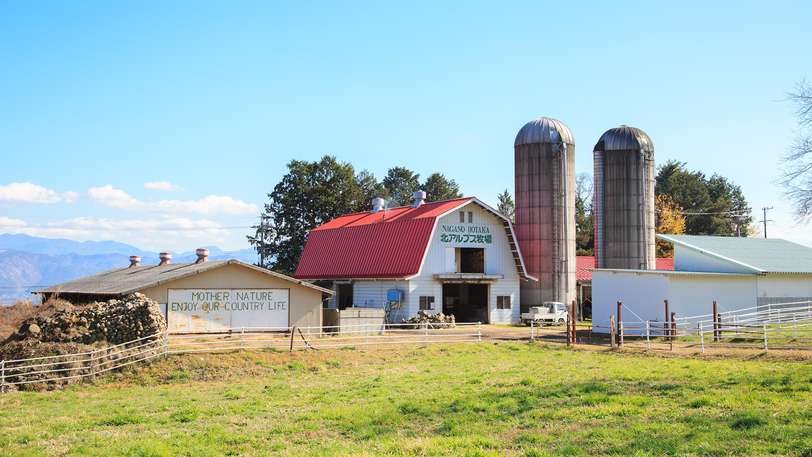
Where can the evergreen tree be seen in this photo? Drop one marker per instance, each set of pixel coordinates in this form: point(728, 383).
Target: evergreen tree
point(710, 204)
point(438, 188)
point(401, 183)
point(506, 205)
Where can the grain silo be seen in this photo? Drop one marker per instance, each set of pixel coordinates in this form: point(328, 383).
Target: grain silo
point(544, 154)
point(624, 200)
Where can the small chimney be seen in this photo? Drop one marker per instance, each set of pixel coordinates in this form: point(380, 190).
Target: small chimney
point(134, 260)
point(377, 205)
point(202, 255)
point(419, 198)
point(165, 258)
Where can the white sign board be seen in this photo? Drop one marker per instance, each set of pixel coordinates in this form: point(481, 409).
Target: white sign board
point(195, 310)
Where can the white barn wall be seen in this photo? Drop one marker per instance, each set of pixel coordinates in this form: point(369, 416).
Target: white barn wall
point(689, 260)
point(797, 287)
point(641, 293)
point(694, 295)
point(498, 261)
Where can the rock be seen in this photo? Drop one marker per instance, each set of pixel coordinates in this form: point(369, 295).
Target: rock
point(33, 330)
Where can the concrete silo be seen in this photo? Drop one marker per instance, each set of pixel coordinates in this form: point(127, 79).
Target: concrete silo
point(544, 154)
point(624, 200)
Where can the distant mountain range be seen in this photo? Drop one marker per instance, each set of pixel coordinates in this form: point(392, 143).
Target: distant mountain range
point(28, 263)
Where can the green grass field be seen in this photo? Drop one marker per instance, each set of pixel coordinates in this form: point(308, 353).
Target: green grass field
point(521, 399)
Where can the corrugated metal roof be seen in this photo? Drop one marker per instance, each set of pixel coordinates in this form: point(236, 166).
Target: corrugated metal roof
point(378, 245)
point(762, 255)
point(123, 281)
point(544, 130)
point(674, 273)
point(624, 138)
point(585, 265)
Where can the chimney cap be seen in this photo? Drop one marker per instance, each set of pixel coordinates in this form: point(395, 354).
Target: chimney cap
point(134, 260)
point(165, 258)
point(377, 204)
point(419, 198)
point(202, 255)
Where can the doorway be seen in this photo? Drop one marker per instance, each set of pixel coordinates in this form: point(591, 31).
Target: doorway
point(344, 296)
point(467, 302)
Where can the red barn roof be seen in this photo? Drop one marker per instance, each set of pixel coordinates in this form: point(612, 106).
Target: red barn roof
point(584, 263)
point(388, 244)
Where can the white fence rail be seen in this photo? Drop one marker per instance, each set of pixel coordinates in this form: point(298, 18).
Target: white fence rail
point(787, 325)
point(63, 368)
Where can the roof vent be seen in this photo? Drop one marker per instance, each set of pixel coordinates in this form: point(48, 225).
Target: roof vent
point(134, 260)
point(419, 198)
point(202, 255)
point(165, 258)
point(377, 205)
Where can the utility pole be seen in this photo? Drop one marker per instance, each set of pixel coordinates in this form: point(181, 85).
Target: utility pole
point(765, 209)
point(262, 228)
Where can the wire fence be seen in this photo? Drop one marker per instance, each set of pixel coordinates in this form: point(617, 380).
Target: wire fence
point(64, 368)
point(786, 325)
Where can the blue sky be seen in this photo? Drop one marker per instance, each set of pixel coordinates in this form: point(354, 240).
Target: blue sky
point(130, 120)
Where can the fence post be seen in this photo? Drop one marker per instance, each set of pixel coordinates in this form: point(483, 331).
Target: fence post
point(619, 319)
point(667, 324)
point(92, 364)
point(673, 325)
point(166, 343)
point(719, 327)
point(648, 335)
point(612, 332)
point(794, 328)
point(764, 326)
point(479, 332)
point(715, 325)
point(307, 338)
point(367, 336)
point(427, 333)
point(3, 377)
point(620, 332)
point(532, 331)
point(242, 338)
point(701, 337)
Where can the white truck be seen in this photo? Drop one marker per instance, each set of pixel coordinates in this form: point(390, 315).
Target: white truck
point(548, 313)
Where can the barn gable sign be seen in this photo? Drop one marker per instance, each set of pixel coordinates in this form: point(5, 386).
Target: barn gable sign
point(194, 310)
point(465, 234)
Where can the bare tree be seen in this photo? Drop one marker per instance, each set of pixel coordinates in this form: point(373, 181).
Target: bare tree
point(583, 187)
point(796, 176)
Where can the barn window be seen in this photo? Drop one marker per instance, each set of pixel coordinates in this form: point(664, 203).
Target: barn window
point(503, 302)
point(427, 303)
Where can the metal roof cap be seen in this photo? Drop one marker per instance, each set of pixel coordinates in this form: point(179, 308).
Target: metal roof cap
point(544, 130)
point(624, 138)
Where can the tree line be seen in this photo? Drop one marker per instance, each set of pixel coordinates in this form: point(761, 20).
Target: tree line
point(313, 193)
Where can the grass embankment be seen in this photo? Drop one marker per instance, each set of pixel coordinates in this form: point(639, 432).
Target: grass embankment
point(467, 399)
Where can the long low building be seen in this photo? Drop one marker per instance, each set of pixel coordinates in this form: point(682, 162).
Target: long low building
point(458, 257)
point(737, 273)
point(206, 295)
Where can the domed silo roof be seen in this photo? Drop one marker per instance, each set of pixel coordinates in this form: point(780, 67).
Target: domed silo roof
point(544, 130)
point(624, 138)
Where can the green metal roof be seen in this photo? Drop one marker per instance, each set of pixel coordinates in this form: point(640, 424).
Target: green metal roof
point(762, 255)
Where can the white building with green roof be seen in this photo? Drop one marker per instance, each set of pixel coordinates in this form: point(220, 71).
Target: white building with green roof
point(737, 273)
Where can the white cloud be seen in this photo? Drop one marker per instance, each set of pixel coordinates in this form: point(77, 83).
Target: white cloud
point(211, 205)
point(168, 233)
point(165, 186)
point(26, 192)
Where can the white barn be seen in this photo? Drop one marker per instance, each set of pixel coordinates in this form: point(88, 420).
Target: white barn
point(737, 273)
point(457, 257)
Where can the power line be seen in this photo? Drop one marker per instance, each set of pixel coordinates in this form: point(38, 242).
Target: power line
point(730, 213)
